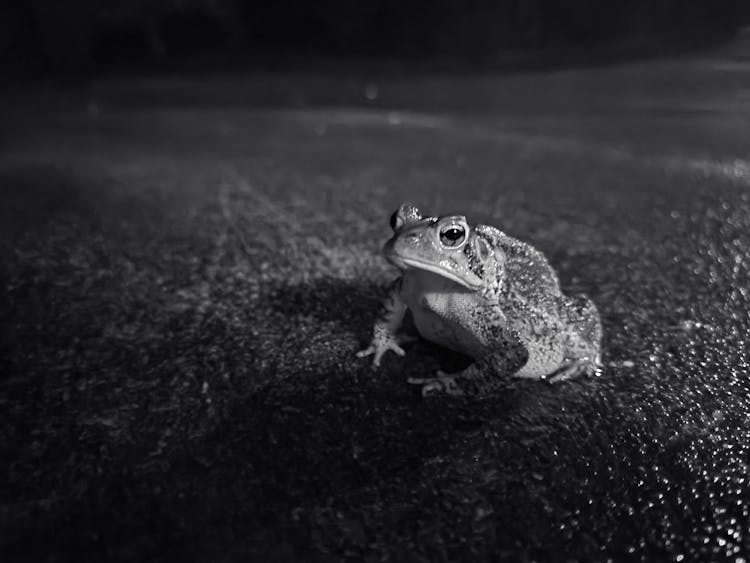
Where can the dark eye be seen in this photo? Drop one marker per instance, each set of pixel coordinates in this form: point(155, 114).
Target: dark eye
point(452, 235)
point(394, 220)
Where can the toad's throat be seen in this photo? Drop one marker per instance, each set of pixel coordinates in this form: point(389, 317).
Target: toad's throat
point(404, 263)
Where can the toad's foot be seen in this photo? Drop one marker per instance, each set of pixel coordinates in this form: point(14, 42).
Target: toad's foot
point(442, 383)
point(571, 369)
point(381, 343)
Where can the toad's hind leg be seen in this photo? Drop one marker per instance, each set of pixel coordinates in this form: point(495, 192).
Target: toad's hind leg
point(570, 369)
point(582, 337)
point(565, 348)
point(583, 333)
point(544, 341)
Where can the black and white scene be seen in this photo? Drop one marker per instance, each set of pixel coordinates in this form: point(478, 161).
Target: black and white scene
point(375, 281)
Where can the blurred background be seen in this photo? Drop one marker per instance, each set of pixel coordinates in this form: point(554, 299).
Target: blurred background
point(92, 36)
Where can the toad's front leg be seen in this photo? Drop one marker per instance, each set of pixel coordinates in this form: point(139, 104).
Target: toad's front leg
point(389, 319)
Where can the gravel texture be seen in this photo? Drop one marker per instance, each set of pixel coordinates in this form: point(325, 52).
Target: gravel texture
point(188, 265)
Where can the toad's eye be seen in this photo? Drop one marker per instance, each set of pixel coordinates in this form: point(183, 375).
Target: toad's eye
point(396, 221)
point(452, 235)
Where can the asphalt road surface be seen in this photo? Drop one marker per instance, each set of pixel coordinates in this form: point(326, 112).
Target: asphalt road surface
point(189, 264)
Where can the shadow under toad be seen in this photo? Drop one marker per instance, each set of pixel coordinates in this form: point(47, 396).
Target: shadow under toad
point(348, 430)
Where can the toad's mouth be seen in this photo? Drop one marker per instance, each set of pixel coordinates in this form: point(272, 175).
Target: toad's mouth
point(404, 263)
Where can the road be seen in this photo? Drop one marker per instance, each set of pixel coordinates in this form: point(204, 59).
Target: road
point(190, 262)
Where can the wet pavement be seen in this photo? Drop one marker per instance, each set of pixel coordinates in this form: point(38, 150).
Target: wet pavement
point(190, 263)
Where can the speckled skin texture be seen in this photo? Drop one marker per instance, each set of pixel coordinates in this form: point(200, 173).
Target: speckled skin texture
point(485, 294)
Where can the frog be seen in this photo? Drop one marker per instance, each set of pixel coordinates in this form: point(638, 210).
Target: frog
point(484, 294)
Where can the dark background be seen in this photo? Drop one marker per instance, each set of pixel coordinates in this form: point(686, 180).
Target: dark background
point(86, 35)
